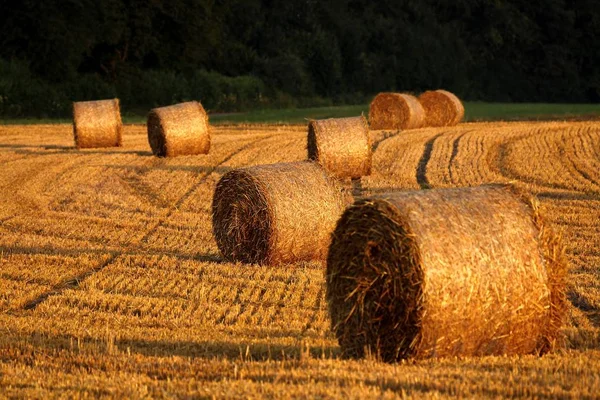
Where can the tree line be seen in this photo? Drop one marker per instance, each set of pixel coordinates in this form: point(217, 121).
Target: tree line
point(235, 55)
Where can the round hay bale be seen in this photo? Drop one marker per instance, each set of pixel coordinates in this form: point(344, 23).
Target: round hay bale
point(396, 111)
point(277, 213)
point(449, 272)
point(341, 146)
point(442, 108)
point(180, 129)
point(97, 124)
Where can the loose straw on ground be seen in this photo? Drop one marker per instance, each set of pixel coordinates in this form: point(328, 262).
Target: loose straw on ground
point(341, 146)
point(276, 213)
point(395, 111)
point(442, 108)
point(97, 124)
point(449, 272)
point(180, 129)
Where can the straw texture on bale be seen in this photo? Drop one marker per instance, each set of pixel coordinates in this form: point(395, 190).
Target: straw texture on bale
point(275, 213)
point(442, 108)
point(341, 146)
point(396, 111)
point(97, 124)
point(449, 272)
point(180, 129)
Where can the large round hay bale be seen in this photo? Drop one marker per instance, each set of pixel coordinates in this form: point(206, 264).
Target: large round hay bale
point(442, 108)
point(341, 146)
point(275, 213)
point(396, 111)
point(97, 124)
point(180, 129)
point(449, 272)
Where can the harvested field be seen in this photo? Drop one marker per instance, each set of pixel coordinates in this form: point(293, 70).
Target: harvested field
point(111, 283)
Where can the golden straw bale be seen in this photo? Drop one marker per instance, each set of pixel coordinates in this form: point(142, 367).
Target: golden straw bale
point(97, 124)
point(277, 213)
point(442, 108)
point(396, 111)
point(180, 129)
point(448, 272)
point(341, 146)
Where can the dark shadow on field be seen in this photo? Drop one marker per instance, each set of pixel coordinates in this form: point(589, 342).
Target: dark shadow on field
point(378, 137)
point(187, 168)
point(584, 305)
point(39, 150)
point(568, 196)
point(53, 251)
point(220, 349)
point(75, 281)
point(226, 350)
point(421, 172)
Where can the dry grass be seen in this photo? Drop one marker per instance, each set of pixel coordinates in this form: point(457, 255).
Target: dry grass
point(112, 285)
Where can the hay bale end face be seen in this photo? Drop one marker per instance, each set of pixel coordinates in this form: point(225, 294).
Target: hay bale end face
point(442, 108)
point(275, 213)
point(396, 111)
point(450, 272)
point(180, 129)
point(341, 146)
point(97, 124)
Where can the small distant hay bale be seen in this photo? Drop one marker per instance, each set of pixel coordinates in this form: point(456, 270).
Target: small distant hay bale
point(180, 129)
point(277, 213)
point(442, 108)
point(341, 146)
point(97, 124)
point(441, 273)
point(396, 111)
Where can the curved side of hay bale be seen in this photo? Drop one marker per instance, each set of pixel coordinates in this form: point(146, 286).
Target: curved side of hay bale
point(442, 108)
point(341, 145)
point(396, 111)
point(275, 213)
point(180, 129)
point(450, 272)
point(97, 124)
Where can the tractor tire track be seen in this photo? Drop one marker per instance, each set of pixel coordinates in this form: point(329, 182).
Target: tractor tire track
point(76, 281)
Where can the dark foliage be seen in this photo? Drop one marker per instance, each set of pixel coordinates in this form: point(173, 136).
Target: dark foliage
point(233, 55)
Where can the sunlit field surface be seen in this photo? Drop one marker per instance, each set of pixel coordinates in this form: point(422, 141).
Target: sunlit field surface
point(112, 285)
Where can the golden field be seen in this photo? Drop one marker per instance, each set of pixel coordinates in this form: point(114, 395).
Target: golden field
point(111, 284)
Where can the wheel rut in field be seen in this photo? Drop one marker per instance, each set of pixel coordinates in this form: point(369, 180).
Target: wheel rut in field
point(75, 282)
point(455, 147)
point(422, 166)
point(70, 283)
